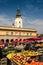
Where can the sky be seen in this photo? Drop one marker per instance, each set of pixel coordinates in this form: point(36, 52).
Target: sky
point(31, 11)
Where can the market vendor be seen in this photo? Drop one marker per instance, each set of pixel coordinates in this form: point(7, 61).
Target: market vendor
point(27, 46)
point(6, 44)
point(19, 47)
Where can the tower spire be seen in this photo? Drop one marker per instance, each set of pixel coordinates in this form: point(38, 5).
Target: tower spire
point(18, 13)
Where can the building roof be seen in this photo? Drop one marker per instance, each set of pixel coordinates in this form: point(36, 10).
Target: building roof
point(17, 29)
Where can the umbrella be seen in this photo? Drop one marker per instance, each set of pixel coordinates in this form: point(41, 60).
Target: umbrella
point(26, 41)
point(15, 41)
point(1, 42)
point(41, 39)
point(10, 43)
point(37, 39)
point(34, 39)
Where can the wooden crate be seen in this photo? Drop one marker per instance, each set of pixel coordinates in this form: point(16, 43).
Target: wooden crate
point(3, 61)
point(13, 63)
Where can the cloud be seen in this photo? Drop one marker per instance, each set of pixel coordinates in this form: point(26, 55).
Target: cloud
point(33, 23)
point(37, 22)
point(5, 20)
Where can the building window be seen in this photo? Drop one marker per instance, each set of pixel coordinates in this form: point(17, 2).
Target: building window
point(23, 32)
point(16, 33)
point(11, 33)
point(6, 33)
point(30, 34)
point(19, 33)
point(27, 33)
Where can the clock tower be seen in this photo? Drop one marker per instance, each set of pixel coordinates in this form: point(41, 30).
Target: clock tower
point(18, 19)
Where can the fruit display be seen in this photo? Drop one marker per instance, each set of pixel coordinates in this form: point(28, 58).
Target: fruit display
point(23, 60)
point(22, 57)
point(19, 59)
point(9, 56)
point(31, 53)
point(25, 54)
point(39, 45)
point(9, 50)
point(34, 63)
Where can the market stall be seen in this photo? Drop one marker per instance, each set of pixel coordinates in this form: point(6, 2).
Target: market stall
point(23, 57)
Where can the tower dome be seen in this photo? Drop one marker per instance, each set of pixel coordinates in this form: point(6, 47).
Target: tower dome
point(18, 13)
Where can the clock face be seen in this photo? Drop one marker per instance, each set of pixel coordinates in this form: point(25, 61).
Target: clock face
point(18, 22)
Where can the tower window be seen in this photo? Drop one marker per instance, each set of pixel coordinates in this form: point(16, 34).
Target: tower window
point(19, 21)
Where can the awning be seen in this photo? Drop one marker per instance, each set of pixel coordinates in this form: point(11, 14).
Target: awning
point(34, 39)
point(15, 41)
point(1, 42)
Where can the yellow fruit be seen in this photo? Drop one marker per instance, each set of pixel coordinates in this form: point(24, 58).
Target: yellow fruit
point(9, 56)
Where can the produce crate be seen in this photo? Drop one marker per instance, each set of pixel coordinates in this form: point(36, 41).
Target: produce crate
point(13, 63)
point(3, 61)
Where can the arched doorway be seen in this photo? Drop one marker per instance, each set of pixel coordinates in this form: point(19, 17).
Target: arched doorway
point(11, 40)
point(20, 39)
point(2, 40)
point(24, 39)
point(16, 40)
point(7, 40)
